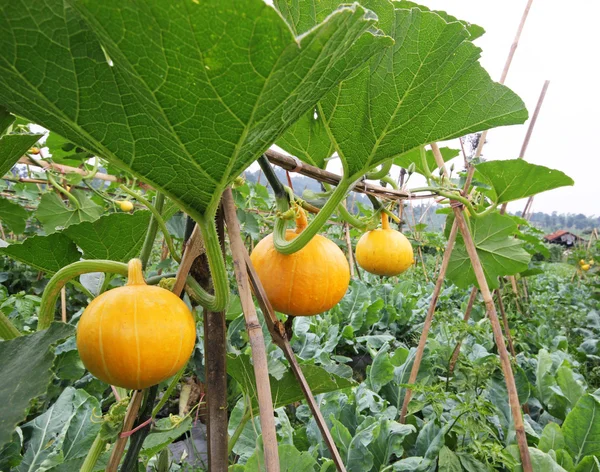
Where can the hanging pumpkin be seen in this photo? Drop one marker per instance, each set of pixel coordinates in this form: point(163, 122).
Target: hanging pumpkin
point(384, 251)
point(305, 283)
point(137, 335)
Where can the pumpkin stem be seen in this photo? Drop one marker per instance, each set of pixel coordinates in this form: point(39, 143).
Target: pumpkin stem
point(135, 275)
point(301, 221)
point(385, 223)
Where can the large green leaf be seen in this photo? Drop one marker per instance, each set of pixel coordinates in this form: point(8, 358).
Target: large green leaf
point(46, 253)
point(290, 460)
point(516, 178)
point(588, 464)
point(12, 147)
point(25, 370)
point(13, 215)
point(117, 236)
point(540, 461)
point(552, 438)
point(55, 215)
point(184, 94)
point(64, 432)
point(582, 428)
point(6, 119)
point(428, 87)
point(307, 139)
point(285, 390)
point(499, 252)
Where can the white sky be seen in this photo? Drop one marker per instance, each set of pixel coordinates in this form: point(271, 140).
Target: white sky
point(560, 43)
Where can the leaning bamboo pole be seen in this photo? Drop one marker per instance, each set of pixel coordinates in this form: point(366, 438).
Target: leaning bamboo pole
point(255, 334)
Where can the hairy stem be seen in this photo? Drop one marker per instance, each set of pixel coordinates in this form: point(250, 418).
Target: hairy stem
point(97, 448)
point(157, 217)
point(350, 218)
point(159, 202)
point(381, 173)
point(294, 245)
point(219, 301)
point(63, 190)
point(58, 281)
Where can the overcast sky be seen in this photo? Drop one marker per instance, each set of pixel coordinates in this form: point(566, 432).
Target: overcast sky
point(560, 43)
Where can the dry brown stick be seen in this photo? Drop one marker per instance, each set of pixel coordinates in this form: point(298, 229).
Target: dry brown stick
point(428, 320)
point(456, 352)
point(423, 264)
point(63, 304)
point(511, 55)
point(66, 169)
point(511, 387)
point(349, 248)
point(120, 443)
point(290, 164)
point(278, 333)
point(194, 248)
point(511, 345)
point(528, 134)
point(255, 334)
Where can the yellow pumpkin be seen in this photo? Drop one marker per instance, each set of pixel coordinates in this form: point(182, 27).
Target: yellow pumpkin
point(585, 267)
point(137, 335)
point(384, 251)
point(305, 283)
point(581, 262)
point(125, 205)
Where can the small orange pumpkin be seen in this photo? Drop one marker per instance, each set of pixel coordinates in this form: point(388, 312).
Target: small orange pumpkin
point(137, 335)
point(384, 251)
point(305, 283)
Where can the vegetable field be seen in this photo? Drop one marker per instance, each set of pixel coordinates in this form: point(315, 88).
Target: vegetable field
point(161, 311)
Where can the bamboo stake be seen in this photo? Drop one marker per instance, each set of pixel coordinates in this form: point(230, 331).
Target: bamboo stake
point(257, 342)
point(130, 416)
point(63, 169)
point(349, 247)
point(527, 138)
point(511, 346)
point(511, 55)
point(469, 309)
point(511, 387)
point(278, 333)
point(63, 304)
point(428, 320)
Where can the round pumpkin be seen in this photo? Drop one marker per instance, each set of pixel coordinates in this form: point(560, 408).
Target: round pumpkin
point(384, 251)
point(308, 282)
point(137, 335)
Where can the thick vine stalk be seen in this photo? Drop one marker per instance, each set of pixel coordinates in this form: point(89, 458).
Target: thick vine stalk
point(58, 281)
point(152, 230)
point(256, 339)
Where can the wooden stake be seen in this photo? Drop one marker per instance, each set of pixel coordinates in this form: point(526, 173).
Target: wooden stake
point(428, 320)
point(511, 55)
point(130, 416)
point(527, 138)
point(278, 333)
point(511, 346)
point(63, 304)
point(257, 342)
point(349, 247)
point(511, 387)
point(468, 310)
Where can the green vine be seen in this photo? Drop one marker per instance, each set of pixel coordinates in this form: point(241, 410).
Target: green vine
point(157, 217)
point(63, 190)
point(159, 203)
point(58, 281)
point(382, 172)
